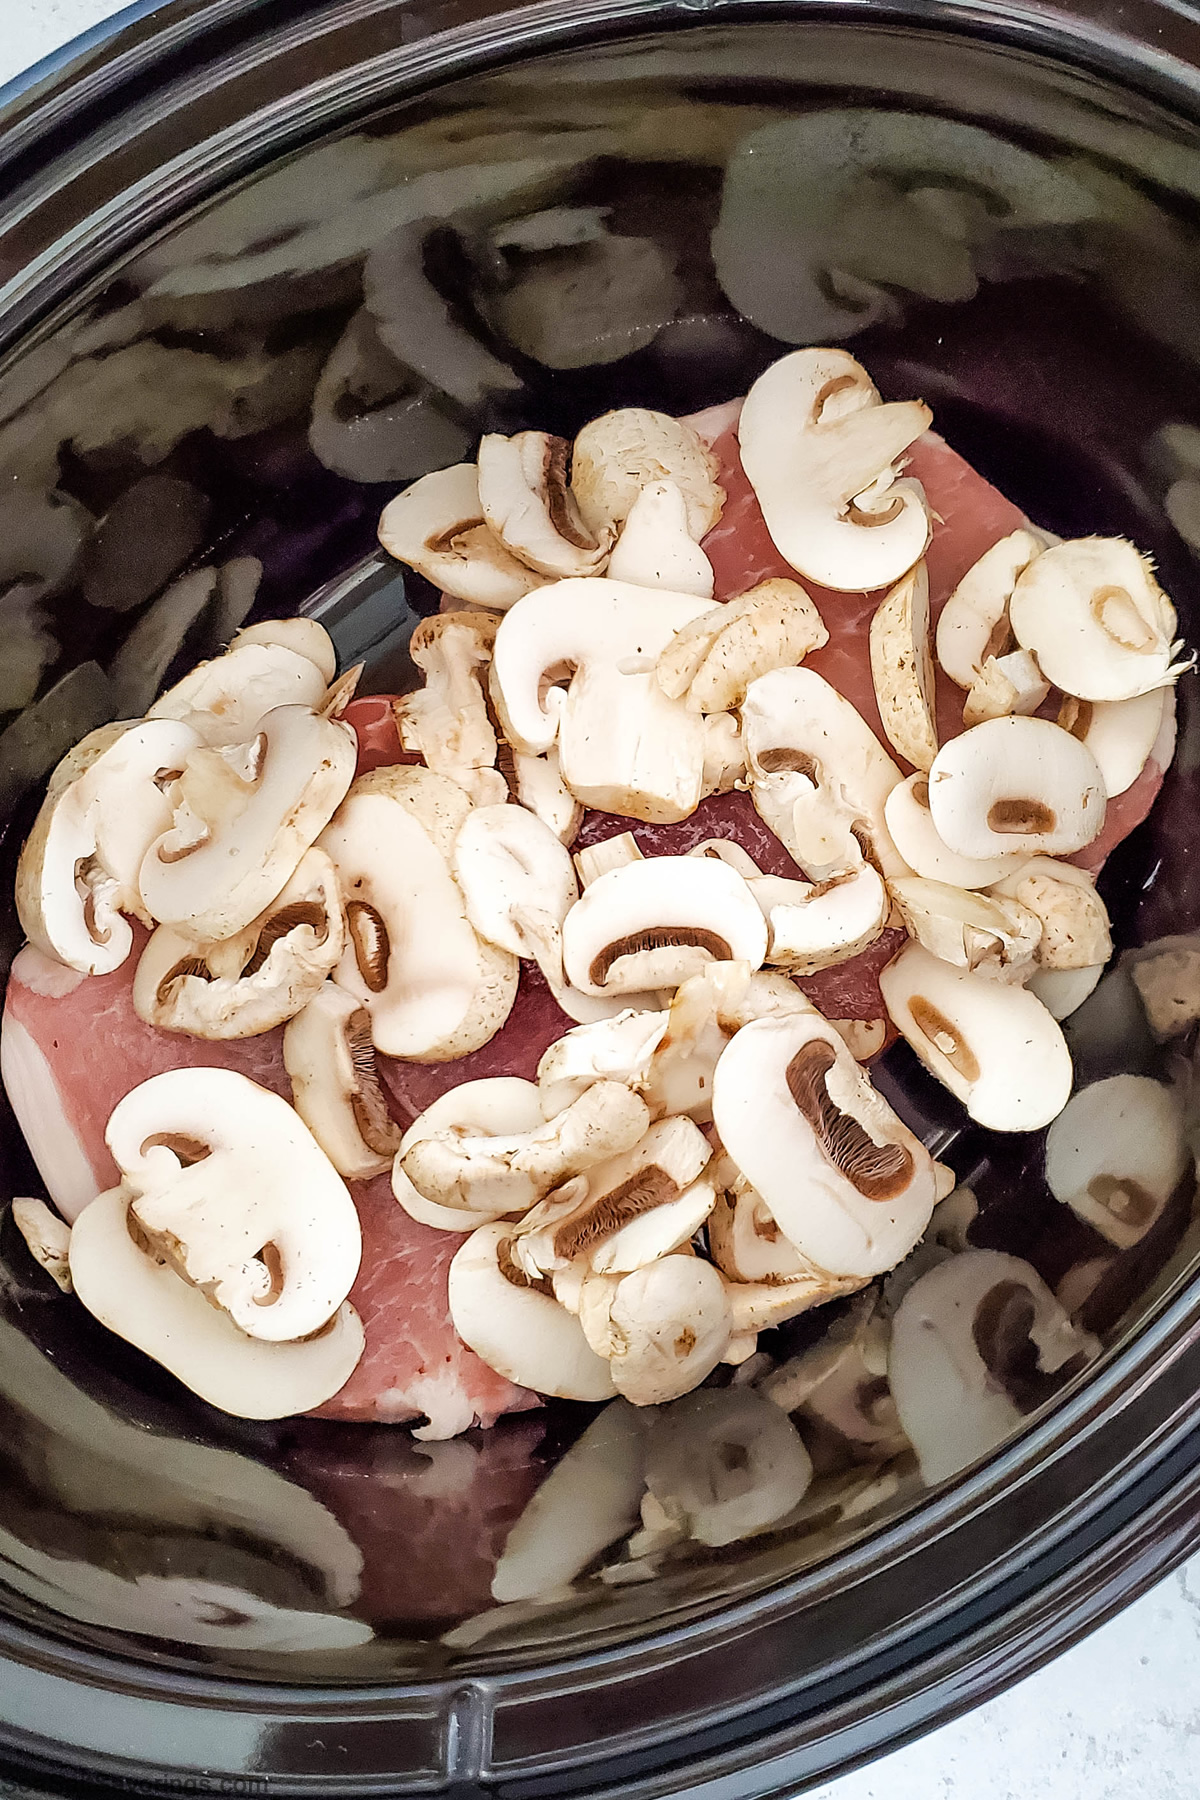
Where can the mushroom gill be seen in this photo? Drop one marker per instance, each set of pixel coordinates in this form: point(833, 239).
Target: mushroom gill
point(658, 937)
point(878, 1171)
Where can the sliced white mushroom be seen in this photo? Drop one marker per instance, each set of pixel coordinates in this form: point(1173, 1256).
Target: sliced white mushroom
point(47, 1238)
point(437, 527)
point(993, 1044)
point(902, 669)
point(712, 661)
point(973, 625)
point(821, 452)
point(1062, 991)
point(977, 1345)
point(1016, 784)
point(507, 1172)
point(619, 454)
point(587, 1501)
point(916, 838)
point(816, 925)
point(304, 637)
point(620, 1048)
point(616, 852)
point(434, 989)
point(446, 719)
point(656, 922)
point(518, 883)
point(623, 745)
point(819, 776)
point(516, 1327)
point(330, 1060)
point(1008, 684)
point(528, 504)
point(78, 871)
point(1116, 1153)
point(705, 1013)
point(253, 981)
point(656, 549)
point(1075, 930)
point(749, 1247)
point(499, 1106)
point(1166, 974)
point(243, 820)
point(662, 1329)
point(724, 756)
point(842, 1176)
point(1120, 733)
point(725, 1465)
point(537, 784)
point(864, 1038)
point(992, 934)
point(230, 1188)
point(224, 700)
point(1096, 619)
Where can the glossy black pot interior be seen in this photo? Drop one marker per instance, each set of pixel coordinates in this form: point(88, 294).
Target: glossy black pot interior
point(213, 387)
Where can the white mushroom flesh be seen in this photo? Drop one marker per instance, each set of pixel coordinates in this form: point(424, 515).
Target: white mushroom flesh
point(1007, 684)
point(973, 625)
point(712, 661)
point(656, 549)
point(1016, 784)
point(1120, 733)
point(528, 504)
point(992, 934)
point(623, 452)
point(518, 883)
point(330, 1060)
point(658, 921)
point(224, 700)
point(1063, 991)
point(446, 719)
point(47, 1238)
point(916, 838)
point(662, 1329)
point(1166, 975)
point(1075, 931)
point(497, 1106)
point(1116, 1153)
point(437, 527)
point(305, 637)
point(902, 669)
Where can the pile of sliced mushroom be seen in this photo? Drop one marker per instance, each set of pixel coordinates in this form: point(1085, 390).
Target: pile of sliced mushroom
point(702, 1156)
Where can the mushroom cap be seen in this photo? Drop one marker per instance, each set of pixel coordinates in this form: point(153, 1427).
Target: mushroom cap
point(1096, 619)
point(993, 1044)
point(252, 982)
point(1075, 931)
point(437, 527)
point(1122, 734)
point(829, 924)
point(1166, 976)
point(620, 1048)
point(664, 1327)
point(915, 836)
point(843, 1177)
point(1116, 1153)
point(902, 669)
point(516, 1329)
point(1016, 784)
point(306, 637)
point(330, 1060)
point(621, 453)
point(819, 449)
point(242, 838)
point(803, 740)
point(655, 922)
point(746, 1243)
point(973, 624)
point(434, 989)
point(655, 548)
point(713, 660)
point(218, 1170)
point(996, 935)
point(223, 700)
point(726, 1464)
point(528, 503)
point(154, 1308)
point(958, 1366)
point(78, 870)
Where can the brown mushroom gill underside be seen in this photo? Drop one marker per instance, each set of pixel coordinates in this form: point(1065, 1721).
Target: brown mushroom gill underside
point(878, 1171)
point(858, 515)
point(288, 918)
point(641, 1193)
point(1021, 816)
point(378, 1130)
point(944, 1035)
point(783, 761)
point(657, 937)
point(560, 502)
point(372, 946)
point(515, 1275)
point(187, 966)
point(1001, 1333)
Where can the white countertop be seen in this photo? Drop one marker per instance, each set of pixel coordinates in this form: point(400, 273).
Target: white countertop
point(1118, 1717)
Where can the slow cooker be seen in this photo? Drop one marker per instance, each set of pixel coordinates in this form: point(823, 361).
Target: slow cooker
point(198, 203)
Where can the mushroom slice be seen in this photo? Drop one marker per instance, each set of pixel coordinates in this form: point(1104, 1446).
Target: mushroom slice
point(620, 1048)
point(1007, 684)
point(821, 451)
point(250, 983)
point(330, 1060)
point(621, 453)
point(224, 700)
point(304, 637)
point(973, 625)
point(995, 936)
point(623, 745)
point(816, 925)
point(864, 1038)
point(518, 882)
point(528, 503)
point(705, 1013)
point(78, 871)
point(1116, 1153)
point(537, 785)
point(1166, 975)
point(150, 1305)
point(726, 1464)
point(610, 853)
point(978, 1344)
point(1121, 734)
point(662, 1328)
point(902, 669)
point(1063, 991)
point(819, 776)
point(447, 720)
point(634, 1206)
point(242, 824)
point(518, 1329)
point(748, 1246)
point(657, 921)
point(497, 1106)
point(724, 757)
point(1096, 619)
point(655, 548)
point(1075, 931)
point(712, 661)
point(1016, 784)
point(212, 1167)
point(507, 1173)
point(844, 1178)
point(47, 1238)
point(993, 1044)
point(433, 988)
point(915, 836)
point(437, 527)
